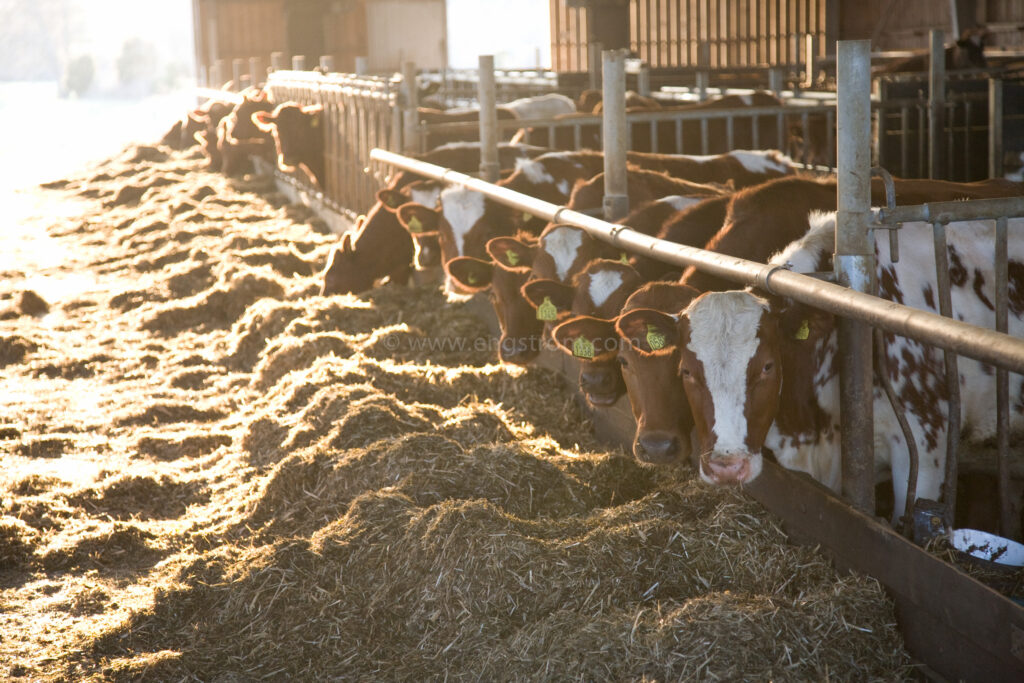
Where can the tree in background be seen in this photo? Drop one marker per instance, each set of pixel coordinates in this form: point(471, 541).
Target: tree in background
point(78, 75)
point(137, 62)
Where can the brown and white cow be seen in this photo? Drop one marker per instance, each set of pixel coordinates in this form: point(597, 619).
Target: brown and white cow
point(208, 119)
point(763, 372)
point(299, 138)
point(741, 168)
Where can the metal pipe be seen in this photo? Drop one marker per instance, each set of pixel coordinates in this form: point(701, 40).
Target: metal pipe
point(643, 80)
point(410, 112)
point(362, 66)
point(995, 128)
point(1008, 525)
point(326, 64)
point(298, 62)
point(703, 64)
point(277, 61)
point(986, 346)
point(256, 73)
point(951, 367)
point(936, 103)
point(855, 268)
point(613, 98)
point(948, 212)
point(487, 97)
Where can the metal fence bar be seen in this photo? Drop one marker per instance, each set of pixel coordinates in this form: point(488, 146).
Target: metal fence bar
point(1009, 526)
point(616, 201)
point(984, 345)
point(952, 368)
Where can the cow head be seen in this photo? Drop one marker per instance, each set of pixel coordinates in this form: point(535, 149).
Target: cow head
point(594, 343)
point(969, 51)
point(241, 125)
point(344, 272)
point(504, 274)
point(730, 362)
point(550, 300)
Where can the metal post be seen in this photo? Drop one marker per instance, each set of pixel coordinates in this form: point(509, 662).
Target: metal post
point(703, 64)
point(855, 268)
point(362, 66)
point(486, 96)
point(936, 105)
point(237, 71)
point(410, 114)
point(776, 79)
point(216, 78)
point(810, 59)
point(995, 128)
point(298, 62)
point(326, 64)
point(613, 97)
point(643, 80)
point(277, 61)
point(256, 74)
point(222, 73)
point(594, 66)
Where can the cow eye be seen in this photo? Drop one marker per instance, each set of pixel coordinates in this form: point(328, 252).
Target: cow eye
point(768, 367)
point(686, 373)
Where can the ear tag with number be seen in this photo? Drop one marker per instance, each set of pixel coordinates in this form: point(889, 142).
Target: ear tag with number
point(527, 216)
point(804, 332)
point(583, 348)
point(471, 278)
point(415, 225)
point(512, 258)
point(624, 258)
point(547, 311)
point(655, 339)
point(315, 123)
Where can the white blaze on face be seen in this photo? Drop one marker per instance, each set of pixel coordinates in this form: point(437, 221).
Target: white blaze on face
point(723, 336)
point(563, 187)
point(535, 171)
point(678, 202)
point(603, 284)
point(462, 209)
point(426, 197)
point(563, 244)
point(763, 161)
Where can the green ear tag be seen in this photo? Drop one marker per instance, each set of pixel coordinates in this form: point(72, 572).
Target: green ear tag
point(471, 278)
point(624, 257)
point(655, 339)
point(804, 332)
point(391, 201)
point(512, 258)
point(527, 216)
point(547, 311)
point(583, 348)
point(315, 123)
point(415, 225)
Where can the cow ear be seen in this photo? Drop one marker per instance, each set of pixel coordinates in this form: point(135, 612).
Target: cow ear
point(312, 109)
point(552, 299)
point(264, 120)
point(648, 331)
point(346, 241)
point(587, 338)
point(801, 323)
point(511, 254)
point(472, 274)
point(418, 219)
point(392, 199)
point(199, 117)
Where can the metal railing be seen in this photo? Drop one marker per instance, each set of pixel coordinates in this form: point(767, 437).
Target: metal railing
point(458, 87)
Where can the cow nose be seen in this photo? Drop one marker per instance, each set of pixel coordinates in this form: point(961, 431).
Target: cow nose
point(657, 449)
point(728, 469)
point(596, 382)
point(517, 350)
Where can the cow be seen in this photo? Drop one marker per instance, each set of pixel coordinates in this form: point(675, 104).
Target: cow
point(239, 138)
point(740, 168)
point(526, 108)
point(643, 186)
point(208, 120)
point(626, 346)
point(380, 242)
point(775, 213)
point(299, 139)
point(762, 372)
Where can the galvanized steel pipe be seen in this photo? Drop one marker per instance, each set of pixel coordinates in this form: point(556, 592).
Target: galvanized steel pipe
point(613, 99)
point(967, 340)
point(487, 97)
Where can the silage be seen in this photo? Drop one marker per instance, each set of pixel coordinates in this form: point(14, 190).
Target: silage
point(350, 487)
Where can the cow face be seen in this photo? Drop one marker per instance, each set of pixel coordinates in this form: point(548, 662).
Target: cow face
point(594, 343)
point(730, 364)
point(649, 361)
point(293, 127)
point(424, 224)
point(240, 125)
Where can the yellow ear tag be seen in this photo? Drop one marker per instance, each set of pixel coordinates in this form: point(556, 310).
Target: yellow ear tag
point(583, 348)
point(391, 201)
point(315, 123)
point(624, 258)
point(804, 332)
point(415, 225)
point(527, 216)
point(547, 311)
point(471, 278)
point(512, 258)
point(655, 339)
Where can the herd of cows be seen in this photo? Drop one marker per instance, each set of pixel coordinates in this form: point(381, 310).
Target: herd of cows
point(715, 374)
